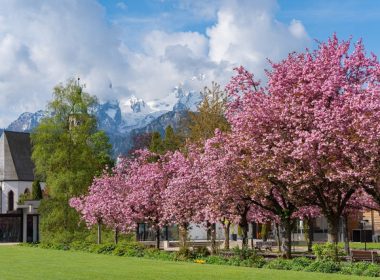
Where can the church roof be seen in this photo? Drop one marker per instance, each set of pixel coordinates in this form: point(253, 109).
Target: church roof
point(16, 150)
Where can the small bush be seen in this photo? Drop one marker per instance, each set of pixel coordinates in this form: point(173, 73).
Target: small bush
point(235, 260)
point(372, 270)
point(257, 261)
point(216, 260)
point(55, 246)
point(80, 246)
point(29, 244)
point(201, 252)
point(300, 263)
point(184, 254)
point(106, 248)
point(361, 268)
point(129, 249)
point(158, 254)
point(326, 266)
point(246, 263)
point(327, 251)
point(244, 253)
point(279, 263)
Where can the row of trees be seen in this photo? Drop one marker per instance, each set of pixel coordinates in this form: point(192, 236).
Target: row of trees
point(307, 144)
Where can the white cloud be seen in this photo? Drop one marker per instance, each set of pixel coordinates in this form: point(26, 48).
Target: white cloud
point(247, 33)
point(47, 42)
point(43, 43)
point(121, 5)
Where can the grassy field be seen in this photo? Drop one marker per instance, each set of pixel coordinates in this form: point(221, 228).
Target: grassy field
point(34, 263)
point(359, 245)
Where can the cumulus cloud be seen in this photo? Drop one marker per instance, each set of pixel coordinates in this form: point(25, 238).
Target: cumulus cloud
point(43, 43)
point(47, 42)
point(247, 33)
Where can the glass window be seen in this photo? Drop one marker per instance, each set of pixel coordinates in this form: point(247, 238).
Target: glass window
point(10, 201)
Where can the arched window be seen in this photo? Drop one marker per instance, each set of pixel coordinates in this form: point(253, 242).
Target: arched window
point(27, 191)
point(10, 201)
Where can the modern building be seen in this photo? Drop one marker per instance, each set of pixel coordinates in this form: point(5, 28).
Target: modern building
point(19, 222)
point(361, 227)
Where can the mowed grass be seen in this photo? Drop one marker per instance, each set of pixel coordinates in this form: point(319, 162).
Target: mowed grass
point(34, 263)
point(361, 245)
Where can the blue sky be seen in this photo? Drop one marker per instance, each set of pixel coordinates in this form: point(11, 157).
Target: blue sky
point(360, 19)
point(147, 47)
point(357, 18)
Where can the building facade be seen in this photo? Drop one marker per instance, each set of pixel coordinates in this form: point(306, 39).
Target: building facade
point(19, 222)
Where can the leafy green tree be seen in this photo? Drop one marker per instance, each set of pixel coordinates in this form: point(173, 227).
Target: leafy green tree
point(68, 151)
point(156, 144)
point(209, 116)
point(36, 190)
point(172, 141)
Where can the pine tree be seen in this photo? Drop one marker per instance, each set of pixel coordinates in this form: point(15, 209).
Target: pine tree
point(36, 190)
point(156, 144)
point(171, 141)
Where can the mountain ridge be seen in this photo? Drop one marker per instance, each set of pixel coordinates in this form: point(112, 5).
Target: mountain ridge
point(121, 122)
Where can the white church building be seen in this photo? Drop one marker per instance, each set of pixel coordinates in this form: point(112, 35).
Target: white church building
point(18, 222)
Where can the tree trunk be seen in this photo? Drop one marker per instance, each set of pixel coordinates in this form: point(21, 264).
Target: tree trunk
point(278, 237)
point(264, 232)
point(213, 238)
point(116, 237)
point(345, 234)
point(157, 238)
point(333, 231)
point(244, 228)
point(99, 241)
point(253, 235)
point(183, 236)
point(286, 237)
point(227, 235)
point(310, 233)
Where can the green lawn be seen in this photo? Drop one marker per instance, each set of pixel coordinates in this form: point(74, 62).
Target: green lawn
point(34, 263)
point(360, 245)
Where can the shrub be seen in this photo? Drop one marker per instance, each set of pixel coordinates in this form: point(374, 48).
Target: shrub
point(216, 260)
point(327, 251)
point(158, 254)
point(300, 263)
point(29, 244)
point(235, 260)
point(361, 268)
point(201, 252)
point(80, 246)
point(55, 246)
point(129, 249)
point(106, 248)
point(244, 253)
point(372, 270)
point(326, 266)
point(184, 254)
point(258, 261)
point(247, 263)
point(279, 263)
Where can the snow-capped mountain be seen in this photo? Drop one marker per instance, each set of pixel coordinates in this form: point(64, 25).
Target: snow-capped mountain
point(136, 113)
point(179, 99)
point(27, 121)
point(121, 120)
